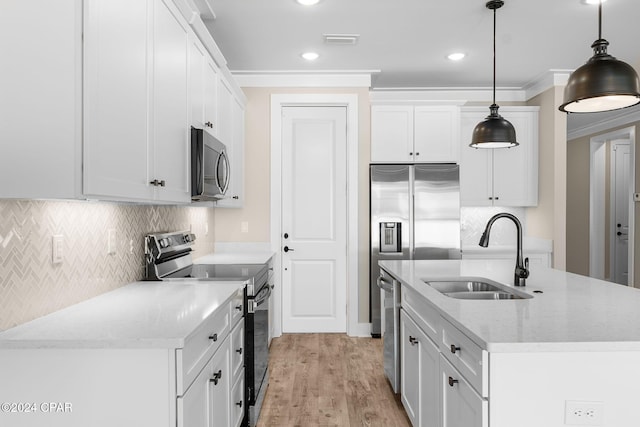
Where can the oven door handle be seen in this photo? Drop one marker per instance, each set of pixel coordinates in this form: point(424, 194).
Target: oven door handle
point(262, 296)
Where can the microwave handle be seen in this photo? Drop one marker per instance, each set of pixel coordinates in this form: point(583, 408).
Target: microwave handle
point(223, 158)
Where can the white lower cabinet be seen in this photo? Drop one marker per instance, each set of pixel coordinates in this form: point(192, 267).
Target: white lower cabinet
point(418, 374)
point(206, 402)
point(461, 405)
point(433, 390)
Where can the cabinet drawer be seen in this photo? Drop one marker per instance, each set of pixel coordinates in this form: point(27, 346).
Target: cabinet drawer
point(200, 346)
point(237, 401)
point(426, 316)
point(237, 349)
point(461, 405)
point(236, 308)
point(466, 356)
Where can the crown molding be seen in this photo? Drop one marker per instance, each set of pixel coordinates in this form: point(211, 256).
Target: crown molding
point(546, 81)
point(456, 96)
point(355, 78)
point(605, 123)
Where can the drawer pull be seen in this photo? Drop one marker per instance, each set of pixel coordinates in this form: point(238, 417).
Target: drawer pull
point(452, 381)
point(454, 348)
point(214, 337)
point(216, 377)
point(239, 351)
point(239, 307)
point(239, 404)
point(413, 340)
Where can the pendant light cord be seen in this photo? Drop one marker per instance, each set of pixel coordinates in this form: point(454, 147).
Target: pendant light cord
point(600, 20)
point(494, 56)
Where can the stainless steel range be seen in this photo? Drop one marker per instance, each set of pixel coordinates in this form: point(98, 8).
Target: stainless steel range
point(168, 258)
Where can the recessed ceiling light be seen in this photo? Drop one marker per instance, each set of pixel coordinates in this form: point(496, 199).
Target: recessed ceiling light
point(308, 2)
point(457, 56)
point(310, 56)
point(593, 1)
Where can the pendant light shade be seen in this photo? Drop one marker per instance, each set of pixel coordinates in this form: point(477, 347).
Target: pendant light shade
point(604, 83)
point(494, 131)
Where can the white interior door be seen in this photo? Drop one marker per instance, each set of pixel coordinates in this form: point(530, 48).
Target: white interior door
point(620, 175)
point(314, 217)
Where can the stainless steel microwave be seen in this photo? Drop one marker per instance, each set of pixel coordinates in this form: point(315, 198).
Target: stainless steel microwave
point(209, 167)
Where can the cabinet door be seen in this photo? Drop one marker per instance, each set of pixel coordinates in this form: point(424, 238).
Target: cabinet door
point(436, 134)
point(476, 165)
point(170, 127)
point(409, 368)
point(210, 96)
point(235, 151)
point(197, 59)
point(206, 402)
point(429, 382)
point(392, 133)
point(461, 405)
point(116, 144)
point(237, 401)
point(420, 371)
point(221, 389)
point(515, 170)
point(225, 115)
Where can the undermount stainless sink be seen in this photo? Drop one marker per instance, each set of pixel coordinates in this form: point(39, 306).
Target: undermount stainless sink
point(476, 289)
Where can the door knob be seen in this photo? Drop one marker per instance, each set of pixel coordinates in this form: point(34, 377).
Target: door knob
point(287, 249)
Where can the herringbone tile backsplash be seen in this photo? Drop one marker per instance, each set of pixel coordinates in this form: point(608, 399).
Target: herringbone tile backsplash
point(32, 286)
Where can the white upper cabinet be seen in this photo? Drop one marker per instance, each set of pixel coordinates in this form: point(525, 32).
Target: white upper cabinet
point(407, 133)
point(203, 83)
point(40, 130)
point(502, 176)
point(436, 130)
point(123, 83)
point(235, 152)
point(136, 111)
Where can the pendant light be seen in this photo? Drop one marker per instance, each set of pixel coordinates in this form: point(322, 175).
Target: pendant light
point(604, 83)
point(495, 131)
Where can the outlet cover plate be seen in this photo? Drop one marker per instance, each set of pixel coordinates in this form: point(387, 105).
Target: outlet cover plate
point(581, 413)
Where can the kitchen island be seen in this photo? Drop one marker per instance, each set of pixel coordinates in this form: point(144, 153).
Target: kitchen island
point(147, 354)
point(570, 355)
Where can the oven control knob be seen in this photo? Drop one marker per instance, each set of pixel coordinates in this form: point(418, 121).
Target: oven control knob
point(164, 243)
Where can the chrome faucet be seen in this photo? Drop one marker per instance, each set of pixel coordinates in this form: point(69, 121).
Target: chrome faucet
point(522, 269)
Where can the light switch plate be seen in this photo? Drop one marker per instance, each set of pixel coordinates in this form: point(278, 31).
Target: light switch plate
point(57, 250)
point(111, 241)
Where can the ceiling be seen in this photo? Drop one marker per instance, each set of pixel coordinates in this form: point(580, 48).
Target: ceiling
point(406, 41)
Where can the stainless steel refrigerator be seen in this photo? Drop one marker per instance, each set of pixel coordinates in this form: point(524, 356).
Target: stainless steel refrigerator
point(415, 214)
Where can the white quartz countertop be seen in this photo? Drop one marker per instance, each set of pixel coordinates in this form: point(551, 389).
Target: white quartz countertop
point(257, 257)
point(573, 312)
point(139, 315)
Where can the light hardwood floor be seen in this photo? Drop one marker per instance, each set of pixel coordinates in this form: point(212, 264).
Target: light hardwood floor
point(329, 380)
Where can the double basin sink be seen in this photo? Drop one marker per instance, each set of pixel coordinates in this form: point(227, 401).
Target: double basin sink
point(476, 289)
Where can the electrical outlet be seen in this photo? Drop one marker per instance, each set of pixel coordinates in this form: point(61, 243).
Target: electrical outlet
point(583, 413)
point(244, 227)
point(57, 250)
point(130, 246)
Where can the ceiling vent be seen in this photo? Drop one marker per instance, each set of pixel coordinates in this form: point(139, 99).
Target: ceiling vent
point(341, 39)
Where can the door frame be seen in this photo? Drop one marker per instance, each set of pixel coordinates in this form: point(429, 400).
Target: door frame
point(597, 191)
point(612, 208)
point(350, 101)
